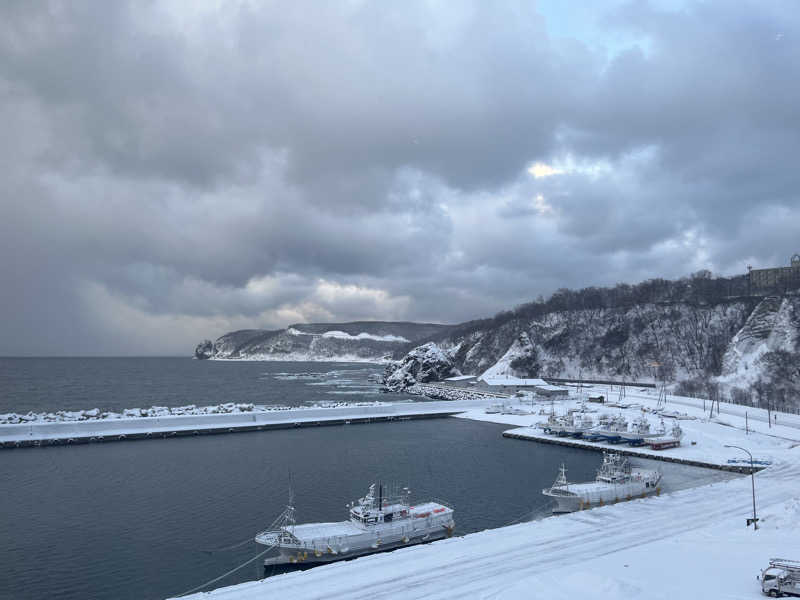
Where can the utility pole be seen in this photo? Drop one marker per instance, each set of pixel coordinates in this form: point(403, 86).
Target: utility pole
point(754, 520)
point(769, 411)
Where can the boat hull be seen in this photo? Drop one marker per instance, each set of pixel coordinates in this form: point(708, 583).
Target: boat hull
point(591, 498)
point(289, 556)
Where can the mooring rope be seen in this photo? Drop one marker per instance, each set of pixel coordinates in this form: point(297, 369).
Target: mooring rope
point(525, 517)
point(223, 576)
point(231, 547)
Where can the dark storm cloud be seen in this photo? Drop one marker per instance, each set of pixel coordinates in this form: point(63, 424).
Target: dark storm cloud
point(174, 171)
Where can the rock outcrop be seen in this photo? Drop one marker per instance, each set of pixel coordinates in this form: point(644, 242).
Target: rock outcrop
point(426, 363)
point(205, 349)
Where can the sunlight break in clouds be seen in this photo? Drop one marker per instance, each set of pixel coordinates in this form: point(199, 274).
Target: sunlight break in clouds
point(540, 170)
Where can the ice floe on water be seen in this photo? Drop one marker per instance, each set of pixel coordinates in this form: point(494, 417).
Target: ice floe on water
point(306, 376)
point(346, 381)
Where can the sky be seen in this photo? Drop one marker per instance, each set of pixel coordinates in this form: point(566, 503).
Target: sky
point(172, 171)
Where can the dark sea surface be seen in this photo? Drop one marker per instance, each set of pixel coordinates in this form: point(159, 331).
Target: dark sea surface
point(137, 519)
point(50, 384)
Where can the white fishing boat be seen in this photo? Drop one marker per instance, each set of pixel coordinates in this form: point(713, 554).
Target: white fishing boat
point(616, 481)
point(573, 423)
point(515, 410)
point(640, 430)
point(378, 522)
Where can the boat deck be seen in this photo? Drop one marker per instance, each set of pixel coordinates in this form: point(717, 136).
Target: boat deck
point(309, 532)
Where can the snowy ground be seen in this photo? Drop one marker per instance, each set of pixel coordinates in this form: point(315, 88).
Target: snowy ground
point(691, 543)
point(710, 435)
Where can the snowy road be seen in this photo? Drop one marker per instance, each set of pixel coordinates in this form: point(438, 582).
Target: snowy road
point(497, 563)
point(753, 414)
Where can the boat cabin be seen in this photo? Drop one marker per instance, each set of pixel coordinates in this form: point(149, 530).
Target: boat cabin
point(370, 515)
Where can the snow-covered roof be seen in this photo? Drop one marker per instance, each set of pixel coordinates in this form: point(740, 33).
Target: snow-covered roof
point(552, 388)
point(460, 377)
point(509, 380)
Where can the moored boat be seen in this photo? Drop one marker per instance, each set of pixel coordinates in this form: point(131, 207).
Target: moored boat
point(378, 522)
point(616, 481)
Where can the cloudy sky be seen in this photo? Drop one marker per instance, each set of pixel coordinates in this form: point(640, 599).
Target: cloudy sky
point(172, 171)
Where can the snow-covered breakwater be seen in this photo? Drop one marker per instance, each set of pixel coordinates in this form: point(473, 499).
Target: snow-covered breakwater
point(444, 392)
point(95, 414)
point(43, 432)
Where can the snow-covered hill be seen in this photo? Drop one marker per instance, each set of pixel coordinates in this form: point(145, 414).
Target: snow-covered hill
point(364, 341)
point(764, 352)
point(734, 343)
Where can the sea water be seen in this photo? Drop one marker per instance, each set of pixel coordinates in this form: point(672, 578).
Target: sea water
point(148, 519)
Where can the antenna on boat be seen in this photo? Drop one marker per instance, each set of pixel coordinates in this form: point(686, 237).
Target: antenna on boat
point(289, 512)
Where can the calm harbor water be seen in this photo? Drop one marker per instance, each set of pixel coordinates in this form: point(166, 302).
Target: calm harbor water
point(138, 519)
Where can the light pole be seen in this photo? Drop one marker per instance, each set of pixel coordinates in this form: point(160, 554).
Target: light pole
point(754, 520)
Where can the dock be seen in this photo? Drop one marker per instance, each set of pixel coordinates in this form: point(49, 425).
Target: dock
point(527, 434)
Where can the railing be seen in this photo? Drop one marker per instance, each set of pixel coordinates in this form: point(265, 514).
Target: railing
point(277, 537)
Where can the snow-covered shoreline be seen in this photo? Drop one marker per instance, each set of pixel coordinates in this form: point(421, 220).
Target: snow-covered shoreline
point(299, 357)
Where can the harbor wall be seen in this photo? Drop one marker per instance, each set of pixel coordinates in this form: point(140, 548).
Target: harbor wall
point(627, 451)
point(38, 434)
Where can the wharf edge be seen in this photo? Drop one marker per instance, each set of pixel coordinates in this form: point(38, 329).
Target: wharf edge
point(164, 434)
point(627, 452)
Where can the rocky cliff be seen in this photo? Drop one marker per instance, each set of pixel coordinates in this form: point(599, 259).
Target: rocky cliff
point(763, 358)
point(733, 344)
point(367, 341)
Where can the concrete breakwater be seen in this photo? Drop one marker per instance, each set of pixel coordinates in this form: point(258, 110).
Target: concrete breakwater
point(521, 434)
point(60, 433)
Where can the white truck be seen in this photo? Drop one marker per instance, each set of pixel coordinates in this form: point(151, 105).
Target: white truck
point(781, 578)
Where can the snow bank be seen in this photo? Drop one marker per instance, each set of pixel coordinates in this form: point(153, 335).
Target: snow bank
point(341, 335)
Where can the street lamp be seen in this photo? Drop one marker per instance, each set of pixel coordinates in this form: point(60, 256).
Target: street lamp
point(754, 520)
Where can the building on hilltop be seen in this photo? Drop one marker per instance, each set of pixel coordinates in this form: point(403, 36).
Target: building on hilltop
point(779, 279)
